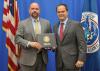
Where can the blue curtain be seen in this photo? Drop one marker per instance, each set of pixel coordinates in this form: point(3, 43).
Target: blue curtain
point(48, 11)
point(3, 49)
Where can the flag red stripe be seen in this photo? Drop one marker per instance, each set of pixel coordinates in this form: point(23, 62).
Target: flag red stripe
point(12, 28)
point(16, 20)
point(15, 68)
point(10, 44)
point(4, 25)
point(5, 11)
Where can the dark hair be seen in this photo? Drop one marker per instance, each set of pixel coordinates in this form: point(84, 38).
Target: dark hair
point(62, 5)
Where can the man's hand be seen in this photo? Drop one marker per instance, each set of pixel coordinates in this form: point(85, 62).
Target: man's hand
point(35, 45)
point(79, 64)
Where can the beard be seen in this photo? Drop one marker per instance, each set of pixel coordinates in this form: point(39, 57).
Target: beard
point(35, 14)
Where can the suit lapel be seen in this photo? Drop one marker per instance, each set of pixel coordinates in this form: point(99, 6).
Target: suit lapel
point(66, 28)
point(31, 28)
point(42, 26)
point(57, 30)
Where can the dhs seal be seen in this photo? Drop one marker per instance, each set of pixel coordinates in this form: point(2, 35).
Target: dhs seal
point(46, 39)
point(89, 23)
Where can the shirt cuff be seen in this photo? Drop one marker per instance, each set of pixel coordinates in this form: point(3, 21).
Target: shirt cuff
point(28, 44)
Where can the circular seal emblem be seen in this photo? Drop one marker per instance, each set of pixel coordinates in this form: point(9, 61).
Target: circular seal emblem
point(89, 23)
point(46, 39)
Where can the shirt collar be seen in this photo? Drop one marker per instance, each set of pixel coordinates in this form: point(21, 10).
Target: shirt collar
point(64, 21)
point(34, 19)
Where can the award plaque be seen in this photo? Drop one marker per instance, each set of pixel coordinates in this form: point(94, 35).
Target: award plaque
point(47, 40)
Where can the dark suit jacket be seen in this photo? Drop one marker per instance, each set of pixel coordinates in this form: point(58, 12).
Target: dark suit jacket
point(26, 33)
point(73, 45)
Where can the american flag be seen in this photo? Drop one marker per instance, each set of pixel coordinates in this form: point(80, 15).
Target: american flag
point(10, 24)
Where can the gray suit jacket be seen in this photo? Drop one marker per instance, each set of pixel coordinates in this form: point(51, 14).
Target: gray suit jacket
point(73, 45)
point(26, 33)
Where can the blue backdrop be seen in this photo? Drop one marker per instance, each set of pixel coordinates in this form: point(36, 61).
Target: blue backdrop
point(3, 49)
point(48, 11)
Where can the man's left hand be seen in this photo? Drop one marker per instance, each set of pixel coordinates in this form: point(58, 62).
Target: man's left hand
point(79, 64)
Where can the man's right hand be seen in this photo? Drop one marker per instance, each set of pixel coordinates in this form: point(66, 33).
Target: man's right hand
point(35, 45)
